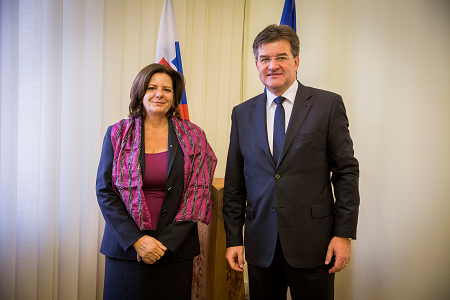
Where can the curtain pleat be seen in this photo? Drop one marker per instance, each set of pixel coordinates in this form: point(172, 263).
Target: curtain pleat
point(91, 138)
point(50, 133)
point(73, 40)
point(28, 154)
point(9, 146)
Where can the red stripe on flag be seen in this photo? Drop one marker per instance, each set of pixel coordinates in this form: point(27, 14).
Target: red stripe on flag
point(164, 62)
point(184, 111)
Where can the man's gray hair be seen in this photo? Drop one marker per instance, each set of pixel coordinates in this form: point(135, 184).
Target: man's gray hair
point(275, 33)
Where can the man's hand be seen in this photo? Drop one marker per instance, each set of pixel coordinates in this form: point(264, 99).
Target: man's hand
point(149, 249)
point(235, 257)
point(342, 250)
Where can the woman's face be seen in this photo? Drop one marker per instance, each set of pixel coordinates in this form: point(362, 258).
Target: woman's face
point(159, 95)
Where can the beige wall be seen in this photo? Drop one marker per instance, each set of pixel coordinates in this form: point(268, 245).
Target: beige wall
point(390, 60)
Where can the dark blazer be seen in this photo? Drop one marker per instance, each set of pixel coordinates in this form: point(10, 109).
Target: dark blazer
point(181, 238)
point(293, 199)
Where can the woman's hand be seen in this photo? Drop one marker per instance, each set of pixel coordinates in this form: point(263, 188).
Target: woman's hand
point(149, 249)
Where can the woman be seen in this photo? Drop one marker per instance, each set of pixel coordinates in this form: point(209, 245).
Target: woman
point(153, 184)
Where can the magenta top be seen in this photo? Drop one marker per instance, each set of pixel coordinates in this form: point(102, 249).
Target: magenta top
point(154, 183)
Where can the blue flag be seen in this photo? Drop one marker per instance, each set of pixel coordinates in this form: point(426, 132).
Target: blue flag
point(288, 15)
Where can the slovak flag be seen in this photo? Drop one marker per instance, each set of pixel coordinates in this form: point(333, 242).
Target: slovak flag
point(168, 47)
point(288, 15)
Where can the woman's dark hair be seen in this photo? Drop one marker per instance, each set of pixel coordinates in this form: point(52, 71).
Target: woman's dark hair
point(275, 33)
point(140, 85)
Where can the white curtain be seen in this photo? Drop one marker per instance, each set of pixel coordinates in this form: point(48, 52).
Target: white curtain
point(66, 72)
point(51, 82)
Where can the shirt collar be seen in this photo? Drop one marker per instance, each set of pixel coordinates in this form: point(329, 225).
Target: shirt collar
point(289, 94)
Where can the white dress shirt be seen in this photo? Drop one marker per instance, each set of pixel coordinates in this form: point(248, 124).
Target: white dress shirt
point(272, 106)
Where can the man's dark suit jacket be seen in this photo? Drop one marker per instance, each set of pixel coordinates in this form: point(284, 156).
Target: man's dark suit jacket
point(293, 199)
point(121, 231)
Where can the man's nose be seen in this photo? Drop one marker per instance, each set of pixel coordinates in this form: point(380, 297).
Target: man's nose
point(273, 64)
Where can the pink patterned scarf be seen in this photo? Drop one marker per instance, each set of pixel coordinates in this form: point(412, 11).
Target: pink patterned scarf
point(199, 166)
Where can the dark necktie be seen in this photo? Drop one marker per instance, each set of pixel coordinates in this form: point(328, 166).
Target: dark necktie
point(278, 128)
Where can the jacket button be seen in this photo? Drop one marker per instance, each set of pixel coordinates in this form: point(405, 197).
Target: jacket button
point(274, 208)
point(164, 213)
point(169, 189)
point(277, 176)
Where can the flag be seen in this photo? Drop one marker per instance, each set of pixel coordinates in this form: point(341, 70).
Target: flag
point(168, 47)
point(288, 15)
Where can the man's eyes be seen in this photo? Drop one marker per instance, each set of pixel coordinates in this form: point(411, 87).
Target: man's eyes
point(266, 60)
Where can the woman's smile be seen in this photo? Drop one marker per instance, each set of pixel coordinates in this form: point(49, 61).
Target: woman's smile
point(159, 95)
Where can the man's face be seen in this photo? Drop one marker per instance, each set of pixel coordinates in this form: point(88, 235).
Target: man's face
point(276, 66)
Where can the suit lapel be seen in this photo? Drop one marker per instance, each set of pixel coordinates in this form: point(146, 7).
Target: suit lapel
point(172, 147)
point(259, 122)
point(302, 105)
point(142, 157)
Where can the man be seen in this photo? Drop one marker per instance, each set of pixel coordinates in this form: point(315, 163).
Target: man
point(284, 145)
